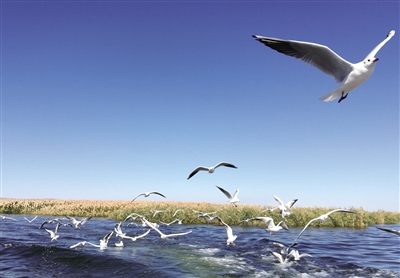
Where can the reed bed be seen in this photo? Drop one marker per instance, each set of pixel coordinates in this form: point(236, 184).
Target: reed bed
point(232, 215)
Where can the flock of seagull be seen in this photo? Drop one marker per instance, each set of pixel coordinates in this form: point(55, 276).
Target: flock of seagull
point(284, 254)
point(347, 74)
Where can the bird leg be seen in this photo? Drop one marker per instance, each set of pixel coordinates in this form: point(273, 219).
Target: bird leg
point(343, 97)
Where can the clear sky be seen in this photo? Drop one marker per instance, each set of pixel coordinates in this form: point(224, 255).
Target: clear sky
point(106, 100)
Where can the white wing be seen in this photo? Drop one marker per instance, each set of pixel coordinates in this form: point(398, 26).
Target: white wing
point(227, 194)
point(372, 54)
point(317, 55)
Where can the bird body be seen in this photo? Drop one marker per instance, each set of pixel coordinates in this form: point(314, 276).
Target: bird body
point(285, 209)
point(349, 75)
point(271, 227)
point(229, 232)
point(77, 224)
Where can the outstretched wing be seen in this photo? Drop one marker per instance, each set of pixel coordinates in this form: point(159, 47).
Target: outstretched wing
point(317, 55)
point(227, 194)
point(372, 54)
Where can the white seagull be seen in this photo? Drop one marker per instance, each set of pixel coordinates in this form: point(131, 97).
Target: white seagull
point(79, 245)
point(54, 235)
point(178, 221)
point(271, 227)
point(103, 241)
point(349, 75)
point(296, 256)
point(389, 230)
point(77, 224)
point(231, 199)
point(30, 221)
point(210, 169)
point(147, 194)
point(322, 218)
point(162, 235)
point(285, 210)
point(157, 212)
point(281, 258)
point(229, 232)
point(6, 217)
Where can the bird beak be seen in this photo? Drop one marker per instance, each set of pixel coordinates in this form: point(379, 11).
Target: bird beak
point(376, 59)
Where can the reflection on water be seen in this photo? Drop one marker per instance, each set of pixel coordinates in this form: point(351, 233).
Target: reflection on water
point(27, 251)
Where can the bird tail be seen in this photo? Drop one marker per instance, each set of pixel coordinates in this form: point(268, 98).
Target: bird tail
point(331, 96)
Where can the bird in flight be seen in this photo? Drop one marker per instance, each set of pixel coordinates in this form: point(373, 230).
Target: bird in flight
point(147, 194)
point(349, 75)
point(210, 169)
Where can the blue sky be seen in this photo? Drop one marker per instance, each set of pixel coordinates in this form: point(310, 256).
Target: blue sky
point(105, 100)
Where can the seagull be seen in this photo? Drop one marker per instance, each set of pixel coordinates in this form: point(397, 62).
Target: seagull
point(53, 235)
point(271, 227)
point(281, 258)
point(322, 218)
point(210, 169)
point(6, 217)
point(57, 220)
point(79, 245)
point(229, 232)
point(162, 235)
point(285, 209)
point(124, 236)
point(296, 256)
point(176, 220)
point(77, 224)
point(283, 249)
point(147, 194)
point(245, 221)
point(320, 56)
point(103, 241)
point(204, 214)
point(30, 221)
point(389, 230)
point(178, 210)
point(232, 199)
point(157, 211)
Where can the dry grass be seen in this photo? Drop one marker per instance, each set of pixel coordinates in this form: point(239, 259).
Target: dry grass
point(232, 215)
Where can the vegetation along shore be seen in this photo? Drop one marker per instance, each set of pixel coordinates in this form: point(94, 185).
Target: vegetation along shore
point(119, 210)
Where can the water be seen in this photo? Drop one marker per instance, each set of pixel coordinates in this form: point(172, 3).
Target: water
point(27, 251)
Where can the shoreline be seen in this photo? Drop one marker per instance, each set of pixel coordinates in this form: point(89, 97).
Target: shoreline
point(119, 210)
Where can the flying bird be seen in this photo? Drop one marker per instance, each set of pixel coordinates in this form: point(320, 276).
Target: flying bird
point(231, 199)
point(162, 235)
point(349, 75)
point(54, 235)
point(296, 256)
point(389, 230)
point(147, 194)
point(210, 169)
point(321, 218)
point(30, 221)
point(271, 227)
point(6, 217)
point(285, 210)
point(229, 232)
point(77, 224)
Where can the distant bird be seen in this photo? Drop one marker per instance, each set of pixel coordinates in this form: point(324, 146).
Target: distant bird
point(30, 221)
point(162, 235)
point(178, 210)
point(347, 74)
point(178, 221)
point(77, 224)
point(271, 227)
point(56, 220)
point(245, 221)
point(229, 232)
point(296, 256)
point(7, 218)
point(322, 218)
point(157, 211)
point(103, 241)
point(147, 194)
point(79, 245)
point(210, 169)
point(54, 235)
point(389, 230)
point(232, 199)
point(285, 210)
point(203, 214)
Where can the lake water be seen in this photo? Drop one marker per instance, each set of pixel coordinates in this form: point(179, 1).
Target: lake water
point(26, 251)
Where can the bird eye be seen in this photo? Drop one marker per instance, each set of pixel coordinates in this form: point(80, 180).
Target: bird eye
point(369, 60)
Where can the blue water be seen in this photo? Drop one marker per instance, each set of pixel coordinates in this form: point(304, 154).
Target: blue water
point(27, 251)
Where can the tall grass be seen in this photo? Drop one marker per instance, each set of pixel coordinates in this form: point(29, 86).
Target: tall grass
point(232, 215)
